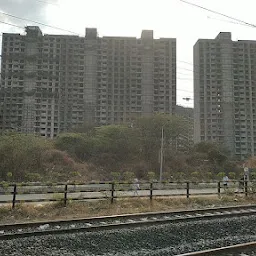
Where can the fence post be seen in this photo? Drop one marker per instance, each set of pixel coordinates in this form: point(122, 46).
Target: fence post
point(65, 195)
point(246, 188)
point(151, 191)
point(219, 189)
point(187, 189)
point(112, 192)
point(14, 196)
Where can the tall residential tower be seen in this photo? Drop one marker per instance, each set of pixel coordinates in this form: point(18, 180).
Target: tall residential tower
point(225, 93)
point(50, 83)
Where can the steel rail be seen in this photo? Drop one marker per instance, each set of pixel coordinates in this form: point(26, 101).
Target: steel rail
point(121, 221)
point(123, 216)
point(226, 249)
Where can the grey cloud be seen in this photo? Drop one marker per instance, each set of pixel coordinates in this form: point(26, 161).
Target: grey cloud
point(28, 9)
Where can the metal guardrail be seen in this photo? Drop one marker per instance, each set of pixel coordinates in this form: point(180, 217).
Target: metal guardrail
point(113, 190)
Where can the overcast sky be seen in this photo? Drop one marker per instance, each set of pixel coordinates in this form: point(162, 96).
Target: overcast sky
point(168, 18)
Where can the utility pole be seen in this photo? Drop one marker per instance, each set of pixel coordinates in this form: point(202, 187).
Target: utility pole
point(161, 154)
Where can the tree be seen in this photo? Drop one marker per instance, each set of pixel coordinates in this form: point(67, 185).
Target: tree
point(21, 154)
point(128, 176)
point(76, 144)
point(232, 175)
point(195, 176)
point(149, 130)
point(151, 176)
point(118, 140)
point(205, 147)
point(214, 153)
point(220, 175)
point(251, 162)
point(116, 176)
point(86, 128)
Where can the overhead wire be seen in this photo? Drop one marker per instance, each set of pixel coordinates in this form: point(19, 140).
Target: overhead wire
point(178, 78)
point(219, 13)
point(227, 21)
point(238, 21)
point(70, 31)
point(186, 62)
point(46, 2)
point(76, 33)
point(241, 22)
point(36, 22)
point(6, 23)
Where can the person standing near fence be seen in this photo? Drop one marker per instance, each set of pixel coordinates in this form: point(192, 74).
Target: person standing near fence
point(225, 181)
point(246, 174)
point(136, 186)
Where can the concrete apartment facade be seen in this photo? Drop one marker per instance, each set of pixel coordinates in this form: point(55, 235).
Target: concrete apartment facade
point(185, 142)
point(51, 83)
point(225, 93)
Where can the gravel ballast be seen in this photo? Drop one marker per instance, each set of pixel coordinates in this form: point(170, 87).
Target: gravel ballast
point(168, 239)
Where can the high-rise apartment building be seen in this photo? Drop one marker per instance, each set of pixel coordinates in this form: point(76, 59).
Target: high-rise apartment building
point(185, 141)
point(225, 93)
point(50, 83)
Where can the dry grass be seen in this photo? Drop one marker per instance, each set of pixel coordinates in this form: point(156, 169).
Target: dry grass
point(54, 211)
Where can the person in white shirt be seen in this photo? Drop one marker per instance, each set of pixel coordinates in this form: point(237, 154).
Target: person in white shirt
point(225, 181)
point(136, 186)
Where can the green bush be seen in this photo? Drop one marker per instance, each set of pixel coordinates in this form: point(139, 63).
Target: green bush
point(180, 176)
point(75, 144)
point(116, 176)
point(21, 154)
point(33, 177)
point(232, 175)
point(151, 176)
point(128, 176)
point(220, 175)
point(195, 175)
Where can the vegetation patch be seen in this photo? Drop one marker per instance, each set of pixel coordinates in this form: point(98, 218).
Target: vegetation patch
point(43, 212)
point(115, 152)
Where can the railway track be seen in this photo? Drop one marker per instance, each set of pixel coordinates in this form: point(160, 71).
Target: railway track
point(11, 231)
point(245, 249)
